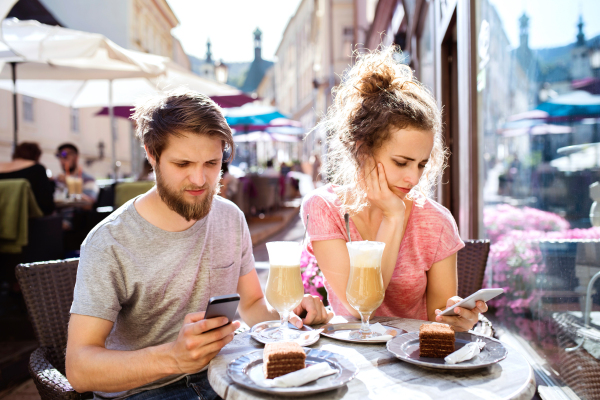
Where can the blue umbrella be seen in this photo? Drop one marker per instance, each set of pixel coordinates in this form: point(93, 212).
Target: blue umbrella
point(260, 119)
point(577, 103)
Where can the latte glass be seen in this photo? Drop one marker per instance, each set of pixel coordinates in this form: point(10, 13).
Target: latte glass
point(365, 285)
point(74, 186)
point(284, 289)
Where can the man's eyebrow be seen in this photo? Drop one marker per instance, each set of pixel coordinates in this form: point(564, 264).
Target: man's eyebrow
point(410, 159)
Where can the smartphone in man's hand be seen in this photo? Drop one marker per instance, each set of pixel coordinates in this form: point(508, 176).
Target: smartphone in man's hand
point(222, 306)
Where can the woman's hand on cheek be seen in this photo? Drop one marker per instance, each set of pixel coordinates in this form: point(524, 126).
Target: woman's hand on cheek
point(379, 194)
point(465, 320)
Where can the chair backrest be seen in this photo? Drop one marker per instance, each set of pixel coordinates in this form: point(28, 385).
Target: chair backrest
point(266, 189)
point(471, 261)
point(48, 291)
point(125, 191)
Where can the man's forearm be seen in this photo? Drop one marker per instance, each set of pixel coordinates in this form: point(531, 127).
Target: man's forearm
point(258, 312)
point(98, 369)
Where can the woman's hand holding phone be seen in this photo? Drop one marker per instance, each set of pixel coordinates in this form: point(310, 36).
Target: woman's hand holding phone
point(463, 314)
point(465, 318)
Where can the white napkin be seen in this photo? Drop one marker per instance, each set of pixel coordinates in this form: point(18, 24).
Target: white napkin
point(300, 377)
point(465, 353)
point(378, 328)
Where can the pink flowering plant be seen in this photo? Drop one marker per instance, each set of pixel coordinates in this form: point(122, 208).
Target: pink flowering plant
point(312, 277)
point(516, 264)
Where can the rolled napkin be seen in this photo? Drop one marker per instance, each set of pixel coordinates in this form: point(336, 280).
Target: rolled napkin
point(465, 353)
point(299, 378)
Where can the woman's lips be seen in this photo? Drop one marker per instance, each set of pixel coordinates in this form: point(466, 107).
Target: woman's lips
point(196, 192)
point(405, 190)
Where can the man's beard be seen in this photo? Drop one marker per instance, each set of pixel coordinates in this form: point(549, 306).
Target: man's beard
point(175, 199)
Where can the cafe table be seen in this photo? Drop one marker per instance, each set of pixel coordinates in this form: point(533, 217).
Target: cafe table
point(382, 376)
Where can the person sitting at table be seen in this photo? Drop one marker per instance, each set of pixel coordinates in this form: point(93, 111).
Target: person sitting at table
point(146, 273)
point(229, 183)
point(68, 156)
point(25, 164)
point(385, 155)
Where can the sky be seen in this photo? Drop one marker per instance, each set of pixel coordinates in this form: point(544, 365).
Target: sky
point(229, 24)
point(552, 22)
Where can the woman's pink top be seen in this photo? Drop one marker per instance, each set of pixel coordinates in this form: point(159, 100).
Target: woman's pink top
point(431, 236)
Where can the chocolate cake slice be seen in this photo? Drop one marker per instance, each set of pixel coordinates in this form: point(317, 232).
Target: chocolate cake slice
point(282, 358)
point(436, 340)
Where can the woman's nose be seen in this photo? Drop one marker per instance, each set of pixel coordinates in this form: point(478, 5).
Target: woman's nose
point(412, 177)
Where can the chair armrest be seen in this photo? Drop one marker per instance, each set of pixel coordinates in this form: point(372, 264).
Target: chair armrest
point(50, 383)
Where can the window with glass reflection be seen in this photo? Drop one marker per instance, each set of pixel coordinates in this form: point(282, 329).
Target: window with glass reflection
point(538, 107)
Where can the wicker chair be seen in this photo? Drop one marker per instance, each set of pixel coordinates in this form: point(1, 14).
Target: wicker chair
point(578, 368)
point(471, 262)
point(48, 291)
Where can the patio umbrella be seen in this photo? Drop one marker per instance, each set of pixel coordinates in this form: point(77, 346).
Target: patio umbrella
point(534, 130)
point(252, 114)
point(578, 157)
point(37, 52)
point(577, 103)
point(264, 137)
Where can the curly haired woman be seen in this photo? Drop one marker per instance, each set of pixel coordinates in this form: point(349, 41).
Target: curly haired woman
point(385, 154)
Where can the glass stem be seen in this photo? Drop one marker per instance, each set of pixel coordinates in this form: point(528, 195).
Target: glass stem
point(285, 316)
point(364, 326)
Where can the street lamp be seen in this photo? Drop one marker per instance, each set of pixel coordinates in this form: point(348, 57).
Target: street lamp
point(221, 71)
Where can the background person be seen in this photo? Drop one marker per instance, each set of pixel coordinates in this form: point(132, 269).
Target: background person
point(385, 154)
point(25, 164)
point(68, 156)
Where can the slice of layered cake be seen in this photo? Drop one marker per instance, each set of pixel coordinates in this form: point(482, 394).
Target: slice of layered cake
point(436, 340)
point(282, 358)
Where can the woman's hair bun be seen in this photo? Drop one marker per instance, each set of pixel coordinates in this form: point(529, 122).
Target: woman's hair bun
point(380, 72)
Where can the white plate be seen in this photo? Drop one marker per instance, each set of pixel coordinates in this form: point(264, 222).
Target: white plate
point(406, 348)
point(342, 332)
point(246, 369)
point(256, 330)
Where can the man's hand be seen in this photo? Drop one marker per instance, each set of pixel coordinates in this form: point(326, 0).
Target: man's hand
point(199, 341)
point(312, 311)
point(466, 319)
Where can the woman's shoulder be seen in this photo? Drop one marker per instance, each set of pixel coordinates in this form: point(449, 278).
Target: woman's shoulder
point(323, 196)
point(433, 212)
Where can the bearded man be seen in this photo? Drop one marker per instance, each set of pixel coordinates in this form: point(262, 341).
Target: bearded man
point(147, 272)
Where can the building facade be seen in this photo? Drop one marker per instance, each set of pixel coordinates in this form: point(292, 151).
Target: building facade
point(315, 50)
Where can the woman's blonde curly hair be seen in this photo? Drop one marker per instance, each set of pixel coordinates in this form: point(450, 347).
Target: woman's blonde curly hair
point(376, 94)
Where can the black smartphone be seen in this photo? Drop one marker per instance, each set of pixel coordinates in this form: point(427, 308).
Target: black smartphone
point(222, 306)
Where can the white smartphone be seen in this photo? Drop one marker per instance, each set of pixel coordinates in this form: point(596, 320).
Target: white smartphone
point(469, 302)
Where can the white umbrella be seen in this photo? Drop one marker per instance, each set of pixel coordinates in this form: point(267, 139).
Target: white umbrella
point(40, 52)
point(94, 92)
point(578, 157)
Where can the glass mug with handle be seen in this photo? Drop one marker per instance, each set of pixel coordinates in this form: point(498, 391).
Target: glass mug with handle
point(285, 289)
point(365, 291)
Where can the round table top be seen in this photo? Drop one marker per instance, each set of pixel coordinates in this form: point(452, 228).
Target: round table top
point(382, 376)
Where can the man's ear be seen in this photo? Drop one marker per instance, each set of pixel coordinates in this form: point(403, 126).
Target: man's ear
point(150, 157)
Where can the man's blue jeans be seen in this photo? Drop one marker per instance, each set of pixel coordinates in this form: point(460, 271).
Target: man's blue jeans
point(192, 387)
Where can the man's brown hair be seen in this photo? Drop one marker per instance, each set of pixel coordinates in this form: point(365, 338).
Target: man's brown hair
point(175, 113)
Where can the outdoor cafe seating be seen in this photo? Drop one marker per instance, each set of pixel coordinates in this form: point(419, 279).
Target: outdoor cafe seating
point(48, 292)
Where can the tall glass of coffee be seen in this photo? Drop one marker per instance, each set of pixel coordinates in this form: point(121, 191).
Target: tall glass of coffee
point(284, 289)
point(365, 285)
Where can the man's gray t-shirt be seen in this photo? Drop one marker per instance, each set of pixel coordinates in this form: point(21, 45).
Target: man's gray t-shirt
point(146, 280)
